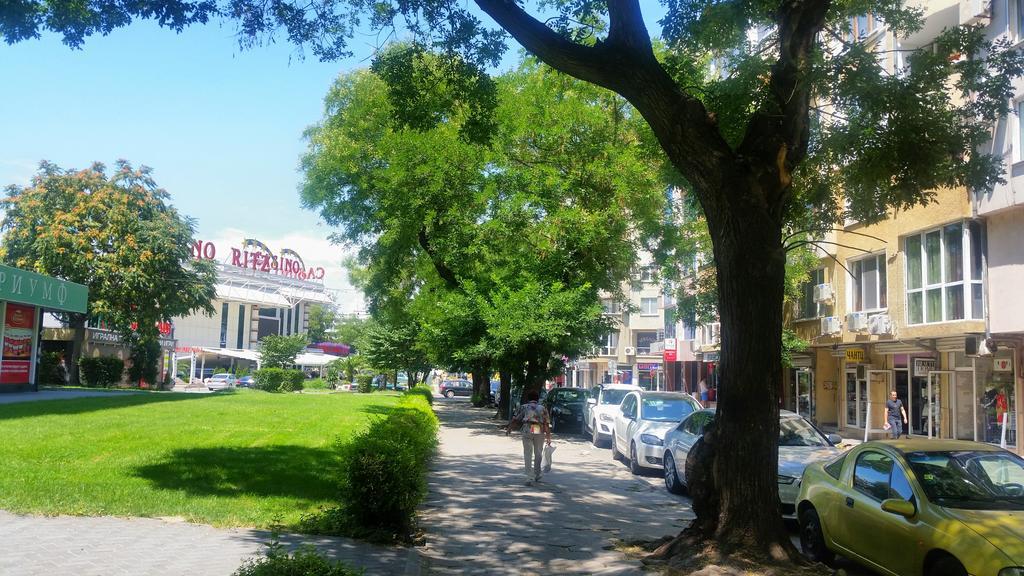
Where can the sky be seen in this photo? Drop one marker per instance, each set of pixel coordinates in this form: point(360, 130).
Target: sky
point(221, 127)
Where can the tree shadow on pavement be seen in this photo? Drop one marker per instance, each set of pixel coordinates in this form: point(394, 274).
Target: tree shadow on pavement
point(481, 518)
point(281, 470)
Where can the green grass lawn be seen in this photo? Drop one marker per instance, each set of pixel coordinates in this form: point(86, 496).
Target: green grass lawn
point(229, 459)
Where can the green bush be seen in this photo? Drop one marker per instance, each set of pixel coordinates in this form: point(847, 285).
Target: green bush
point(364, 382)
point(293, 380)
point(101, 371)
point(316, 384)
point(50, 372)
point(305, 561)
point(383, 475)
point(269, 379)
point(423, 391)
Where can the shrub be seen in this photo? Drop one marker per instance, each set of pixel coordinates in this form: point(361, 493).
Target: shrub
point(316, 384)
point(50, 372)
point(364, 383)
point(383, 475)
point(101, 371)
point(269, 379)
point(306, 561)
point(423, 391)
point(293, 380)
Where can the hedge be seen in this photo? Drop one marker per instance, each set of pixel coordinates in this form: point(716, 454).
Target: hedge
point(423, 391)
point(383, 476)
point(278, 379)
point(101, 371)
point(306, 561)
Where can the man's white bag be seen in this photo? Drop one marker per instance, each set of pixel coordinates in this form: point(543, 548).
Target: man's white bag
point(545, 463)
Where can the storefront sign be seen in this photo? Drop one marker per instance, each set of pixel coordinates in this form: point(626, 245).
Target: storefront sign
point(257, 256)
point(1002, 365)
point(711, 356)
point(922, 366)
point(670, 350)
point(109, 337)
point(19, 325)
point(30, 288)
point(648, 366)
point(855, 355)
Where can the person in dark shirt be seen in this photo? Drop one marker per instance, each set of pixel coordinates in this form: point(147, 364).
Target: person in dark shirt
point(895, 415)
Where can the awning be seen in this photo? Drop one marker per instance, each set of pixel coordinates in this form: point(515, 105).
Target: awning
point(252, 355)
point(314, 359)
point(250, 296)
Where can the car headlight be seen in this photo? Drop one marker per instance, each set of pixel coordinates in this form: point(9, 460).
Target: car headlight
point(1012, 571)
point(787, 479)
point(651, 439)
point(606, 417)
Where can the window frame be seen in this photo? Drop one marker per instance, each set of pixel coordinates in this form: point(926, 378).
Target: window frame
point(967, 281)
point(653, 301)
point(644, 350)
point(856, 288)
point(820, 308)
point(888, 476)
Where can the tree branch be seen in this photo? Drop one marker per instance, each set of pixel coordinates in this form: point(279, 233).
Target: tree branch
point(446, 273)
point(626, 26)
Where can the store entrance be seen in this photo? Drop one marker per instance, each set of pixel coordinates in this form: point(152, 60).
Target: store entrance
point(802, 401)
point(963, 406)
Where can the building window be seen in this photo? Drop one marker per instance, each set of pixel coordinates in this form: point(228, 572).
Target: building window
point(648, 306)
point(1019, 21)
point(224, 325)
point(944, 274)
point(869, 283)
point(807, 307)
point(241, 326)
point(288, 323)
point(610, 344)
point(647, 274)
point(644, 341)
point(297, 318)
point(609, 306)
point(1018, 120)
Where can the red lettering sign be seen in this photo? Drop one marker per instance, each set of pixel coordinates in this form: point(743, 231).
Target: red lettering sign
point(262, 260)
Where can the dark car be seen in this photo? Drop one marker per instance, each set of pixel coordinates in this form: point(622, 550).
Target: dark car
point(495, 391)
point(453, 388)
point(566, 408)
point(246, 381)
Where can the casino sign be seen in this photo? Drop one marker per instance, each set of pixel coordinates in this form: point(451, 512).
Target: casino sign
point(255, 255)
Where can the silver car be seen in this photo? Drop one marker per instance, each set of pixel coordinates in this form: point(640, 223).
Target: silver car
point(800, 444)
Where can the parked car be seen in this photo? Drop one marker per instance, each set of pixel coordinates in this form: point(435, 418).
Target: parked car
point(599, 412)
point(800, 444)
point(641, 423)
point(246, 381)
point(565, 405)
point(917, 507)
point(221, 381)
point(495, 391)
point(453, 388)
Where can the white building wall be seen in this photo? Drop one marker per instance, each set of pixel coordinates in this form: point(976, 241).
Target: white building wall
point(1006, 270)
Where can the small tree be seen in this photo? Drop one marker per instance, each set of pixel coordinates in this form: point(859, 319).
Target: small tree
point(321, 319)
point(280, 351)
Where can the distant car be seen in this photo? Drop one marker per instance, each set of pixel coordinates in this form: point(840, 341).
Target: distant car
point(221, 381)
point(453, 388)
point(246, 381)
point(917, 507)
point(565, 405)
point(495, 391)
point(800, 444)
point(643, 420)
point(599, 412)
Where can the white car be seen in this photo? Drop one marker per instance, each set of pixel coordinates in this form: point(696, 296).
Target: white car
point(800, 444)
point(221, 381)
point(641, 423)
point(599, 411)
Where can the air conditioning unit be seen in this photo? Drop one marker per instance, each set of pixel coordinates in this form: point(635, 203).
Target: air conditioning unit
point(823, 294)
point(978, 346)
point(830, 325)
point(630, 351)
point(694, 345)
point(879, 324)
point(857, 321)
point(974, 11)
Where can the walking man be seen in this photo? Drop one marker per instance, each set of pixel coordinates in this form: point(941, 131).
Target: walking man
point(536, 427)
point(893, 413)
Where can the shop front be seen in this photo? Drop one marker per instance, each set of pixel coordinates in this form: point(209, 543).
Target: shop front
point(24, 296)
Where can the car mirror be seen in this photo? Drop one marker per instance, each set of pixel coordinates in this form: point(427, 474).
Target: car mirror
point(899, 507)
point(835, 439)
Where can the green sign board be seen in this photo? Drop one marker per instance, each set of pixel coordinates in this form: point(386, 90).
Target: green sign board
point(27, 287)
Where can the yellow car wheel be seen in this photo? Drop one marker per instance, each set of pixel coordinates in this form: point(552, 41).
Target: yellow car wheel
point(812, 540)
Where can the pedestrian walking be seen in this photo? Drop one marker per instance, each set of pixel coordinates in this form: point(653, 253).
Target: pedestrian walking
point(895, 415)
point(535, 423)
point(703, 386)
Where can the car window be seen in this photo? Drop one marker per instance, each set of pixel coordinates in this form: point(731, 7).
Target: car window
point(613, 396)
point(665, 409)
point(796, 431)
point(569, 395)
point(899, 486)
point(835, 467)
point(628, 405)
point(871, 474)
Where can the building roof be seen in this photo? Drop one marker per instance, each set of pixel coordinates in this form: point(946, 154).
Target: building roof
point(248, 286)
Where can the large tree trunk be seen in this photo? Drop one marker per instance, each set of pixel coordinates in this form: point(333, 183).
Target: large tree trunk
point(481, 385)
point(77, 324)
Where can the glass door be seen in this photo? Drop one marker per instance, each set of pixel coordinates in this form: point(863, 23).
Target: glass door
point(803, 393)
point(856, 400)
point(964, 426)
point(937, 382)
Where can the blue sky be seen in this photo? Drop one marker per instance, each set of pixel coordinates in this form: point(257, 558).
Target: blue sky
point(221, 127)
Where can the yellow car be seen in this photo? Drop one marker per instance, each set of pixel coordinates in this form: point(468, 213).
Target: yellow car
point(917, 507)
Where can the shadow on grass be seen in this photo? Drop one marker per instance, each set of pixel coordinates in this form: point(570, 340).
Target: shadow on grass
point(72, 405)
point(282, 470)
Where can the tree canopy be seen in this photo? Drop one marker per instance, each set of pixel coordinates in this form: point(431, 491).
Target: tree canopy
point(280, 351)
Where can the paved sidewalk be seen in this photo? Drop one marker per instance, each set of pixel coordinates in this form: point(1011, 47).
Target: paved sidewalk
point(106, 546)
point(479, 517)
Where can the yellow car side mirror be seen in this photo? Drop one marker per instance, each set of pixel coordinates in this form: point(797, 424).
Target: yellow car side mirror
point(899, 506)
